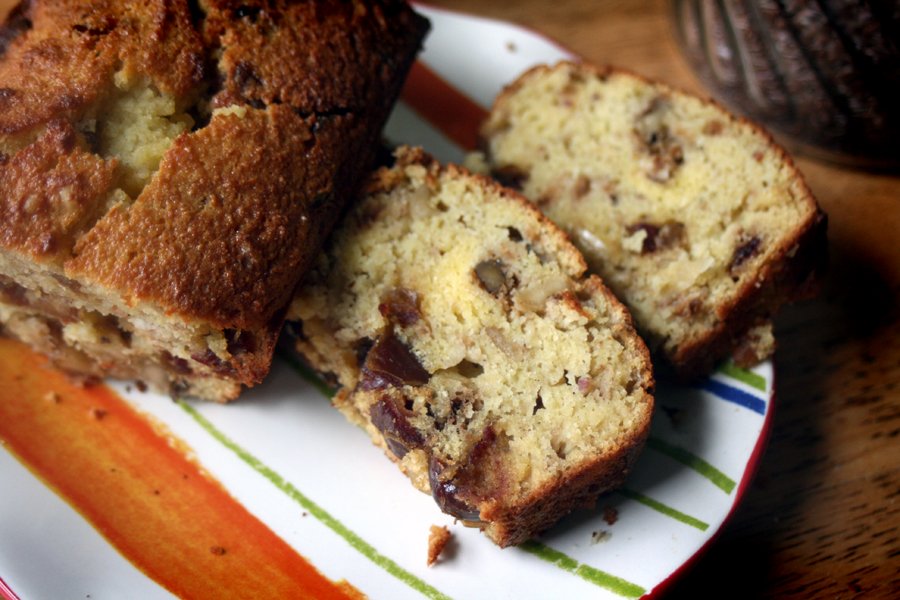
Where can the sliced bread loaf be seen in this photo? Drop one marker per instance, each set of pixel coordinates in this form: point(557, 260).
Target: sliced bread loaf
point(470, 345)
point(697, 221)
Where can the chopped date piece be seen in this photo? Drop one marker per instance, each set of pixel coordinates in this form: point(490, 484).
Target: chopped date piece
point(511, 176)
point(480, 449)
point(391, 420)
point(400, 306)
point(240, 342)
point(446, 494)
point(211, 360)
point(744, 252)
point(362, 347)
point(208, 358)
point(659, 237)
point(391, 363)
point(178, 364)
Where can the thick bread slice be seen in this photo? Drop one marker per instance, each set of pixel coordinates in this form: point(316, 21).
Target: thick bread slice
point(469, 344)
point(169, 170)
point(697, 221)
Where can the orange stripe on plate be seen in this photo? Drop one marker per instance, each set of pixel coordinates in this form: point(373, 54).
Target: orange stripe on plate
point(456, 115)
point(135, 484)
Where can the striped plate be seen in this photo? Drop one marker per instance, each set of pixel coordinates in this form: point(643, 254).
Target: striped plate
point(285, 454)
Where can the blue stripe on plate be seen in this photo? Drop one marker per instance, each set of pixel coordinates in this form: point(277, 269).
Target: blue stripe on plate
point(732, 394)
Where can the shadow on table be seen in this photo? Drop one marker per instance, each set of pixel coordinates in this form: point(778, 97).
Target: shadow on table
point(826, 346)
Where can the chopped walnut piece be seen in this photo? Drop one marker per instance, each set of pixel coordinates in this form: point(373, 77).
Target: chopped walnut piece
point(491, 275)
point(582, 186)
point(507, 346)
point(535, 296)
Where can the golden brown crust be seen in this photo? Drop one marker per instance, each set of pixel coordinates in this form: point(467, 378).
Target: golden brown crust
point(257, 231)
point(510, 526)
point(215, 232)
point(50, 192)
point(321, 64)
point(64, 60)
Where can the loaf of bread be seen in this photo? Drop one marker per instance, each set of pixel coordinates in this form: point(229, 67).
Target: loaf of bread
point(467, 341)
point(169, 170)
point(697, 221)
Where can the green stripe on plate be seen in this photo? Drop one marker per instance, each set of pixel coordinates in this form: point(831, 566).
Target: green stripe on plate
point(748, 377)
point(720, 479)
point(662, 508)
point(315, 510)
point(617, 585)
point(307, 374)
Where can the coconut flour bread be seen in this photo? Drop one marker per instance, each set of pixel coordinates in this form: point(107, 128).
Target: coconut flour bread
point(697, 221)
point(469, 344)
point(168, 171)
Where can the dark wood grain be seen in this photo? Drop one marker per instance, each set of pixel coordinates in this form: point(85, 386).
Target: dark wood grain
point(822, 517)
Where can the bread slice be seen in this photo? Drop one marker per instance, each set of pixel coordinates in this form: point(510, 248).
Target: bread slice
point(169, 170)
point(697, 221)
point(469, 344)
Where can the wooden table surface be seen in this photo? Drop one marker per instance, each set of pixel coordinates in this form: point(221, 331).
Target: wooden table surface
point(821, 519)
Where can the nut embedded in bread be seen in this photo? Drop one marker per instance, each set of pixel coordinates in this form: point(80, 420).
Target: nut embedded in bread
point(169, 170)
point(698, 222)
point(473, 349)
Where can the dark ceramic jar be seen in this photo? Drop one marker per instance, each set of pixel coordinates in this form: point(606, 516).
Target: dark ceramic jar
point(825, 73)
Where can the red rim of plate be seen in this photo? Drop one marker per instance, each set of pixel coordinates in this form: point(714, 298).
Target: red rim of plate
point(749, 473)
point(6, 591)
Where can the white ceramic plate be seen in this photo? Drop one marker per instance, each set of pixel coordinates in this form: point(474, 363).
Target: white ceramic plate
point(704, 446)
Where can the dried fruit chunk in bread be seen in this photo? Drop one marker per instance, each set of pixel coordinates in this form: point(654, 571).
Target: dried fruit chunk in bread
point(169, 170)
point(470, 345)
point(697, 221)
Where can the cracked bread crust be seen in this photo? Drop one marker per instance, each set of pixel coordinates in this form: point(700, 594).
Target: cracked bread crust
point(163, 169)
point(469, 344)
point(695, 218)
